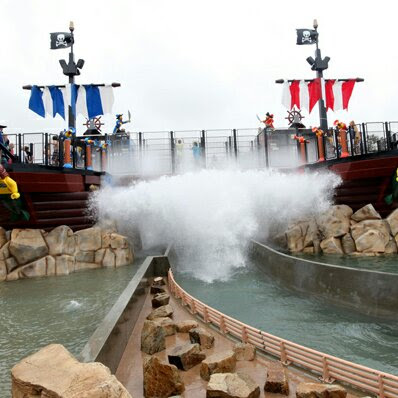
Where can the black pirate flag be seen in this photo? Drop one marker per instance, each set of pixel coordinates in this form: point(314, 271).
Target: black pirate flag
point(60, 40)
point(306, 36)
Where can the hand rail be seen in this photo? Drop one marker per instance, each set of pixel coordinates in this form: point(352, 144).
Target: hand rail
point(328, 367)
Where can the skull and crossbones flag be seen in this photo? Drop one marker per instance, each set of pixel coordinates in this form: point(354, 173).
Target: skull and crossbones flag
point(306, 36)
point(60, 40)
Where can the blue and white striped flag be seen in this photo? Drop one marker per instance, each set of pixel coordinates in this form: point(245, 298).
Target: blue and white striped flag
point(87, 100)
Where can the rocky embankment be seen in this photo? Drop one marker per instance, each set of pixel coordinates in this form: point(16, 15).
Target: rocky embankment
point(341, 231)
point(29, 253)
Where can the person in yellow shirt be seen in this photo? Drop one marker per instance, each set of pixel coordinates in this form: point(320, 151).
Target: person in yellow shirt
point(7, 184)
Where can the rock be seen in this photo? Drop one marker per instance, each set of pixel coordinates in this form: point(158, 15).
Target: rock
point(27, 245)
point(161, 379)
point(186, 326)
point(364, 226)
point(13, 276)
point(109, 259)
point(232, 385)
point(391, 247)
point(371, 241)
point(119, 241)
point(11, 264)
point(158, 281)
point(5, 252)
point(186, 356)
point(244, 351)
point(309, 250)
point(222, 362)
point(312, 234)
point(3, 271)
point(64, 264)
point(348, 244)
point(367, 212)
point(202, 337)
point(312, 390)
point(161, 312)
point(335, 222)
point(332, 246)
point(157, 289)
point(392, 220)
point(3, 237)
point(85, 257)
point(160, 299)
point(123, 257)
point(88, 239)
point(54, 373)
point(152, 338)
point(277, 380)
point(61, 240)
point(294, 239)
point(36, 268)
point(99, 256)
point(167, 324)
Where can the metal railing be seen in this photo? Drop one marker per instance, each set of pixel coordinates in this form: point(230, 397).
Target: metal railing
point(169, 152)
point(328, 367)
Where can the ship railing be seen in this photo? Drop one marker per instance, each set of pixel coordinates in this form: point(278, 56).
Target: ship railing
point(327, 367)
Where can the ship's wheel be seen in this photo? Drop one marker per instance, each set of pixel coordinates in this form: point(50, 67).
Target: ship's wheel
point(94, 123)
point(294, 116)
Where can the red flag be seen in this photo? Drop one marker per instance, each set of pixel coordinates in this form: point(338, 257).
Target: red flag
point(329, 94)
point(346, 89)
point(315, 92)
point(295, 94)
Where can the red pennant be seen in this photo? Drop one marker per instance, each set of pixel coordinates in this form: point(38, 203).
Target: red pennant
point(315, 92)
point(346, 89)
point(295, 94)
point(329, 94)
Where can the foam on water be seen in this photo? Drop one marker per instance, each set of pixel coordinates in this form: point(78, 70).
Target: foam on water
point(72, 305)
point(212, 214)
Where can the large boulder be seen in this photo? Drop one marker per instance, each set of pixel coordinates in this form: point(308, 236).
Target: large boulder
point(161, 379)
point(232, 385)
point(11, 264)
point(3, 271)
point(391, 247)
point(186, 356)
point(88, 239)
point(332, 246)
point(109, 259)
point(367, 212)
point(335, 222)
point(85, 256)
point(36, 268)
point(392, 220)
point(244, 351)
point(61, 240)
point(64, 264)
point(348, 244)
point(222, 362)
point(295, 239)
point(167, 324)
point(317, 390)
point(161, 312)
point(186, 326)
point(123, 256)
point(277, 380)
point(54, 373)
point(160, 299)
point(27, 245)
point(362, 227)
point(152, 338)
point(3, 237)
point(202, 337)
point(372, 241)
point(5, 251)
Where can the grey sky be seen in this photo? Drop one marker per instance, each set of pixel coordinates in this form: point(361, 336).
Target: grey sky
point(198, 64)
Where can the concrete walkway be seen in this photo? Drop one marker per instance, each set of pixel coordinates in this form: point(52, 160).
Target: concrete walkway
point(130, 370)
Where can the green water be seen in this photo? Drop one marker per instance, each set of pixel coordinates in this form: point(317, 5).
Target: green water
point(65, 310)
point(253, 298)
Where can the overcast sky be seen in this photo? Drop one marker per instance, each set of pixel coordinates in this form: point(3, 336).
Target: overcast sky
point(198, 64)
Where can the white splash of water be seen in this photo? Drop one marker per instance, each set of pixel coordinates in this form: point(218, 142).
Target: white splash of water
point(212, 214)
point(72, 305)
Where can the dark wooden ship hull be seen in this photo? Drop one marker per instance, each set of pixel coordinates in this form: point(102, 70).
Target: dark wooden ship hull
point(52, 196)
point(366, 179)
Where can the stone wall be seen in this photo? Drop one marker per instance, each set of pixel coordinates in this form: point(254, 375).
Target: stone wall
point(341, 231)
point(28, 253)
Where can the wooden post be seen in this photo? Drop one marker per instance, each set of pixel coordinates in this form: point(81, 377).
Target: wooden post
point(67, 158)
point(89, 160)
point(344, 146)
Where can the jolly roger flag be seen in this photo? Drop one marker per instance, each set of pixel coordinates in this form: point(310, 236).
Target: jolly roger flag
point(60, 40)
point(306, 36)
